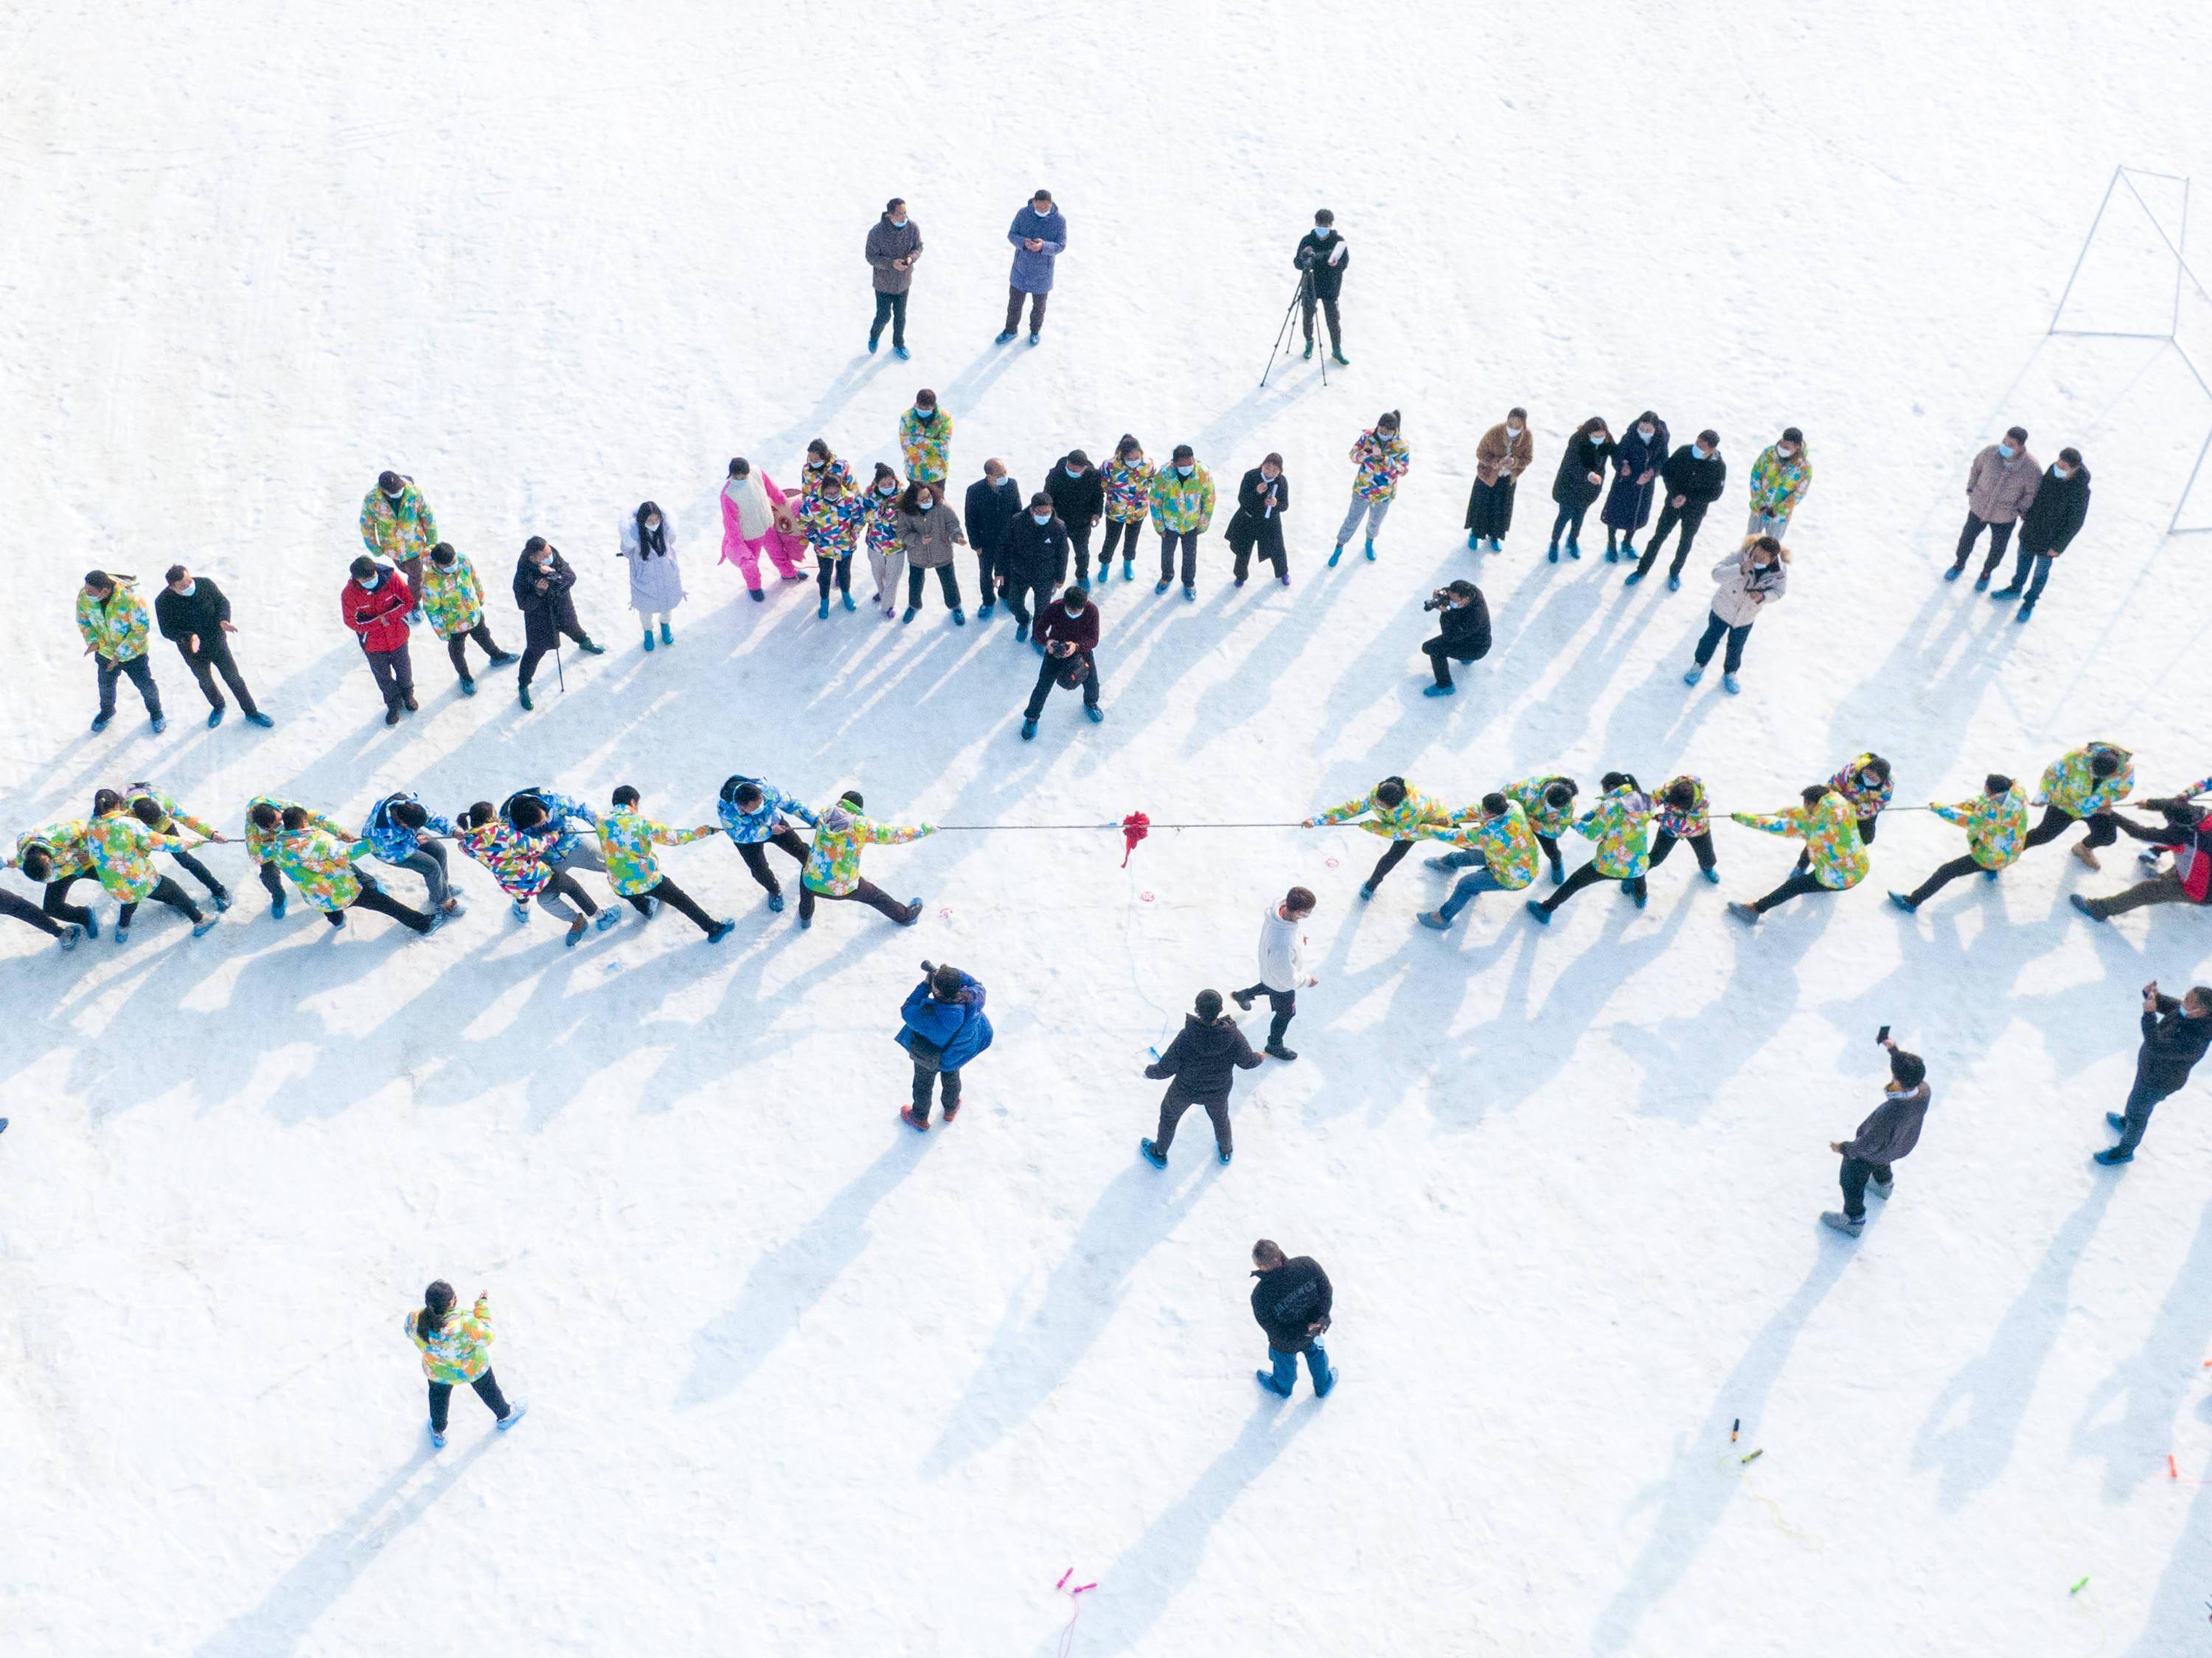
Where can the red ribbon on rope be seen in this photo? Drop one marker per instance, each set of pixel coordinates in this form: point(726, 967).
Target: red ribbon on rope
point(1134, 828)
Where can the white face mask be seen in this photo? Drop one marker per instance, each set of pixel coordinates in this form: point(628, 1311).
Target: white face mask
point(1074, 471)
point(187, 590)
point(1185, 471)
point(899, 223)
point(1040, 518)
point(1000, 482)
point(924, 504)
point(1646, 433)
point(2058, 472)
point(371, 585)
point(652, 524)
point(1786, 450)
point(1513, 431)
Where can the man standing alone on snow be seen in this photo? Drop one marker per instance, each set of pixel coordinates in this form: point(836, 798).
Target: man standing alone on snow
point(1291, 1301)
point(2175, 1036)
point(1884, 1137)
point(942, 1025)
point(1202, 1062)
point(894, 244)
point(1039, 234)
point(1322, 258)
point(195, 613)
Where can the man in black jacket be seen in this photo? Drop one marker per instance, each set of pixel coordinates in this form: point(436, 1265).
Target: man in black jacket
point(1465, 621)
point(995, 501)
point(1694, 476)
point(1203, 1060)
point(2052, 522)
point(1078, 500)
point(2175, 1036)
point(1033, 558)
point(1887, 1134)
point(195, 615)
point(1291, 1301)
point(1322, 260)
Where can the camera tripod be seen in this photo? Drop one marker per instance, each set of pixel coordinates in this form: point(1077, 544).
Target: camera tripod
point(1301, 294)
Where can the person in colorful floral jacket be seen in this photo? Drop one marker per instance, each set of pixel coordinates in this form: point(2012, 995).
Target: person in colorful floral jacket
point(1383, 459)
point(122, 842)
point(2084, 786)
point(926, 439)
point(56, 857)
point(1684, 813)
point(1550, 803)
point(396, 524)
point(518, 864)
point(321, 865)
point(456, 1351)
point(627, 838)
point(404, 833)
point(1829, 827)
point(113, 621)
point(886, 549)
point(820, 465)
point(833, 866)
point(752, 812)
point(1393, 809)
point(264, 822)
point(1182, 511)
point(1621, 824)
point(1780, 478)
point(832, 515)
point(1129, 482)
point(453, 598)
point(170, 818)
point(1996, 822)
point(1499, 840)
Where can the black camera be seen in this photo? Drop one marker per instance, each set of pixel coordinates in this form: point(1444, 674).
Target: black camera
point(1439, 600)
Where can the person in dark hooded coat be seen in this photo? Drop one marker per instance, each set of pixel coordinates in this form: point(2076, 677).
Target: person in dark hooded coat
point(544, 590)
point(1637, 458)
point(1203, 1062)
point(942, 1026)
point(2049, 525)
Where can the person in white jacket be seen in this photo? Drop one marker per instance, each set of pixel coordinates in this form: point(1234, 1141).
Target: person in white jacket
point(656, 585)
point(1282, 967)
point(1751, 578)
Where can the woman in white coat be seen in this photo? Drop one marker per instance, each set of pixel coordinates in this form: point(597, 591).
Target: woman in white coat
point(656, 585)
point(1749, 580)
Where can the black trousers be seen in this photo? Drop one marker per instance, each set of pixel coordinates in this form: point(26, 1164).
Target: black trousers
point(1690, 515)
point(2140, 1102)
point(214, 657)
point(1944, 874)
point(1570, 520)
point(1327, 304)
point(987, 573)
point(166, 891)
point(1177, 1102)
point(1123, 533)
point(534, 653)
point(199, 872)
point(1588, 875)
point(1393, 856)
point(441, 1394)
point(377, 901)
point(1284, 1005)
point(140, 672)
point(56, 902)
point(676, 898)
point(1265, 537)
point(1551, 845)
point(1017, 587)
point(2057, 819)
point(867, 893)
point(1049, 676)
point(1014, 298)
point(948, 1083)
point(272, 880)
point(1801, 882)
point(1441, 657)
point(1999, 538)
point(28, 913)
point(891, 308)
point(459, 658)
point(394, 674)
point(842, 568)
point(1079, 541)
point(1189, 541)
point(1702, 845)
point(1853, 1176)
point(947, 583)
point(754, 853)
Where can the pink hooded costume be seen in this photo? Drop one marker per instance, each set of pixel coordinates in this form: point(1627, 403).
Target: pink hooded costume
point(749, 509)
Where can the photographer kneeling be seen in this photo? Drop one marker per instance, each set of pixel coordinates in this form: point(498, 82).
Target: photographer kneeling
point(1465, 635)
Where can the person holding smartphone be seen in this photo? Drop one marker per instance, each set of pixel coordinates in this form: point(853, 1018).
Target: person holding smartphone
point(1891, 1132)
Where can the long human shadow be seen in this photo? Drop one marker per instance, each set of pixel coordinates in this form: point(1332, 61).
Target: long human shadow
point(2150, 1384)
point(1969, 1431)
point(1146, 1578)
point(788, 1280)
point(1030, 1357)
point(1691, 1497)
point(322, 1577)
point(2177, 1602)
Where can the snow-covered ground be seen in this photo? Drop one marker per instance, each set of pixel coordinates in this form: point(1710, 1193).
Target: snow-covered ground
point(804, 1382)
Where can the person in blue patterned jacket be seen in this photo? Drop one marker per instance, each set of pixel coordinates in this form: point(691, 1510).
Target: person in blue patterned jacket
point(401, 832)
point(753, 812)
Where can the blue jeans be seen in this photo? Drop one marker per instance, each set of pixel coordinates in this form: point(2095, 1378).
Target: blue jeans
point(1463, 891)
point(1286, 1367)
point(2042, 562)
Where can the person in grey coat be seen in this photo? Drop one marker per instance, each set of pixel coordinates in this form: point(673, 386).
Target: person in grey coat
point(1891, 1130)
point(2001, 485)
point(929, 530)
point(894, 244)
point(656, 584)
point(1039, 234)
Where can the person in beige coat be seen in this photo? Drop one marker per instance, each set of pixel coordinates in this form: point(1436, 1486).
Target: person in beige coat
point(930, 530)
point(2000, 486)
point(1503, 455)
point(1749, 580)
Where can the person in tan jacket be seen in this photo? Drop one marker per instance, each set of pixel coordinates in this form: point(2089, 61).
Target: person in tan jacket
point(2000, 486)
point(1503, 455)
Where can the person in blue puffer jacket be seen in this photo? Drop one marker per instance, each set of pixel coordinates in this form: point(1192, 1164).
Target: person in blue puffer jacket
point(752, 811)
point(942, 1027)
point(399, 830)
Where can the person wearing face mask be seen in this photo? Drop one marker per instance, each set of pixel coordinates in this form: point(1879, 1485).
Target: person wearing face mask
point(1033, 562)
point(1128, 483)
point(1182, 511)
point(756, 518)
point(1262, 500)
point(194, 614)
point(1581, 476)
point(1039, 234)
point(1381, 458)
point(1619, 826)
point(1322, 258)
point(1996, 822)
point(832, 517)
point(894, 244)
point(886, 553)
point(1882, 1140)
point(1866, 784)
point(453, 598)
point(1837, 859)
point(543, 589)
point(1780, 478)
point(111, 619)
point(396, 523)
point(929, 530)
point(2049, 525)
point(2001, 485)
point(375, 602)
point(1068, 632)
point(656, 584)
point(1636, 459)
point(1749, 580)
point(822, 464)
point(1693, 477)
point(995, 501)
point(924, 434)
point(1078, 500)
point(1500, 458)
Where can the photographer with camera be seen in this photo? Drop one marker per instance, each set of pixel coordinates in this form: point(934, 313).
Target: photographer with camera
point(942, 1025)
point(1320, 260)
point(1465, 619)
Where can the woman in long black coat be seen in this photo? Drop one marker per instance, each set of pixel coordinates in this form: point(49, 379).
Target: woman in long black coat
point(1262, 500)
point(1581, 476)
point(544, 590)
point(1637, 459)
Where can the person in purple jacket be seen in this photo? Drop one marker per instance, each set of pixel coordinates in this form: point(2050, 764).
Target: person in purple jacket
point(1039, 234)
point(942, 1026)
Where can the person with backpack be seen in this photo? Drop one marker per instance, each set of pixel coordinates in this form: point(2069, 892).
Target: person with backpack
point(1200, 1068)
point(1293, 1302)
point(942, 1026)
point(1882, 1141)
point(456, 1349)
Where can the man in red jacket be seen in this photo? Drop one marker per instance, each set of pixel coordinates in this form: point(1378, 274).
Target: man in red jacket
point(1068, 629)
point(375, 604)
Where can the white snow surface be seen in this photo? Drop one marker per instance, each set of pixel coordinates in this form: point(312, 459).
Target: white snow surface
point(804, 1382)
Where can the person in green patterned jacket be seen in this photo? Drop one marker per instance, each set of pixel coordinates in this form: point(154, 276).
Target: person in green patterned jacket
point(321, 865)
point(456, 1351)
point(1393, 809)
point(56, 857)
point(114, 624)
point(833, 864)
point(2084, 786)
point(925, 433)
point(1829, 825)
point(1181, 500)
point(453, 598)
point(627, 838)
point(264, 822)
point(1620, 824)
point(1550, 803)
point(396, 524)
point(122, 844)
point(1500, 840)
point(1996, 822)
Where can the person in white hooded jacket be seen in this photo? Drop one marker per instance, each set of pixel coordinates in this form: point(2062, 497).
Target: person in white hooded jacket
point(1282, 967)
point(1750, 579)
point(656, 584)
